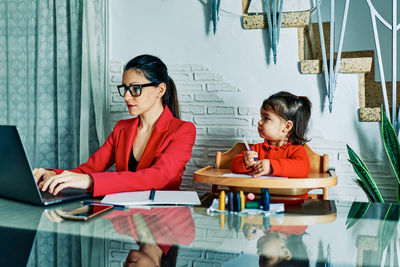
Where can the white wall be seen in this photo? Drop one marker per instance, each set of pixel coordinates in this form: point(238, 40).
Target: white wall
point(179, 33)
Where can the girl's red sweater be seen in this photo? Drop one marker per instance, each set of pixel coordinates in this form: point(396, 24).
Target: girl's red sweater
point(286, 161)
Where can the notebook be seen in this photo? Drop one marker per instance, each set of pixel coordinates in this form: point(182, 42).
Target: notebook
point(242, 175)
point(161, 197)
point(16, 178)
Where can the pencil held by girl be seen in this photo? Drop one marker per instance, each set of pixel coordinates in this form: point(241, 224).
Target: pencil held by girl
point(283, 126)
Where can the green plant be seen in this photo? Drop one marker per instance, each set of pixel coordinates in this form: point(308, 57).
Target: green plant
point(365, 180)
point(392, 148)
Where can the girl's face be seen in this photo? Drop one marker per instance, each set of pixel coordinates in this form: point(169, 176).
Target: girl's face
point(273, 127)
point(149, 97)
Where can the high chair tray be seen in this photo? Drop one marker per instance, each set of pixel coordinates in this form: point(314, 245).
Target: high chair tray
point(286, 186)
point(307, 213)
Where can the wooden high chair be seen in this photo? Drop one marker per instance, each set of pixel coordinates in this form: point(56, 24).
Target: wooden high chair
point(319, 176)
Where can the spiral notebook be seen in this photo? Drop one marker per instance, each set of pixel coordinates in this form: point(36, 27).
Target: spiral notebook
point(161, 197)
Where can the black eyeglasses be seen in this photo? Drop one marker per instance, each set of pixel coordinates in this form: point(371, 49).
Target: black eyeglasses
point(134, 89)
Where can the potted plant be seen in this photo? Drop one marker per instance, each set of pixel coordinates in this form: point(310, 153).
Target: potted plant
point(392, 148)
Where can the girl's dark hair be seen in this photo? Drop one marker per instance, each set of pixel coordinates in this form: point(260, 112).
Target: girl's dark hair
point(294, 108)
point(298, 251)
point(156, 72)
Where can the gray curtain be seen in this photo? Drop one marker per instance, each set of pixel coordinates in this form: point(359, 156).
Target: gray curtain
point(41, 73)
point(93, 83)
point(55, 248)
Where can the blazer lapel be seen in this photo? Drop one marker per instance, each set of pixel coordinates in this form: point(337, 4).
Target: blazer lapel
point(157, 137)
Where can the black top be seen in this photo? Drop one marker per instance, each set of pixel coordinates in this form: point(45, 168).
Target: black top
point(132, 165)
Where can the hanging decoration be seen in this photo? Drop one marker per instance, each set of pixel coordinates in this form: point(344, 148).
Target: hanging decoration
point(331, 73)
point(274, 26)
point(394, 28)
point(214, 9)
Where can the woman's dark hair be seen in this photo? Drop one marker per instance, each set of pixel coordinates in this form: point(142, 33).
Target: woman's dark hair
point(169, 259)
point(294, 108)
point(156, 72)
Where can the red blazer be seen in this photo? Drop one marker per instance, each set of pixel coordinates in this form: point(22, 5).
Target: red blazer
point(161, 165)
point(169, 226)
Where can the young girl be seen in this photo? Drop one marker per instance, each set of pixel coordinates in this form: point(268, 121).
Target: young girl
point(283, 246)
point(283, 124)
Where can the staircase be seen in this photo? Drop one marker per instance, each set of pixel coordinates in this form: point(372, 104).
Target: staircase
point(310, 57)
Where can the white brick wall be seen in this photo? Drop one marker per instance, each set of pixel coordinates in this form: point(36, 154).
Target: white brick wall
point(220, 125)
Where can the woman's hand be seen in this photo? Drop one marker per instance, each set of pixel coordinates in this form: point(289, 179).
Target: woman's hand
point(41, 174)
point(262, 167)
point(56, 183)
point(248, 158)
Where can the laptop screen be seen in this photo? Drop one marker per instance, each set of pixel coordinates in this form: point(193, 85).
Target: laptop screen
point(16, 173)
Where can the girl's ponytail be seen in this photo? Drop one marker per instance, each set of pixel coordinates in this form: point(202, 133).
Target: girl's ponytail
point(306, 105)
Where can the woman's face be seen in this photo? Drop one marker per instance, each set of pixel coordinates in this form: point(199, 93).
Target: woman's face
point(138, 259)
point(149, 98)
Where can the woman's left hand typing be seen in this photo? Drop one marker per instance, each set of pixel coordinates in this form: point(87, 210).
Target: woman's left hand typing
point(66, 179)
point(262, 167)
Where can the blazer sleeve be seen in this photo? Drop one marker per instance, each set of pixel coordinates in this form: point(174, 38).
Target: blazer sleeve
point(297, 165)
point(100, 160)
point(165, 172)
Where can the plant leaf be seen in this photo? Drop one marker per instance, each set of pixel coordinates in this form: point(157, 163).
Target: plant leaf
point(354, 157)
point(388, 226)
point(398, 192)
point(391, 143)
point(362, 171)
point(365, 175)
point(356, 212)
point(362, 185)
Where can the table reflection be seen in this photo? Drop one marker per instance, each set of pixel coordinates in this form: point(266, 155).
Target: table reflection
point(158, 231)
point(315, 233)
point(277, 240)
point(382, 247)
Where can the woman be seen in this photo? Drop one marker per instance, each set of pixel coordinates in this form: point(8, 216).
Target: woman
point(158, 232)
point(149, 151)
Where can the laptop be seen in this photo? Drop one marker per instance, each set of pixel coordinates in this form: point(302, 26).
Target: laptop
point(16, 178)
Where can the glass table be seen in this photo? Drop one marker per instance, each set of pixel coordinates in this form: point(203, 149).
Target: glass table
point(315, 233)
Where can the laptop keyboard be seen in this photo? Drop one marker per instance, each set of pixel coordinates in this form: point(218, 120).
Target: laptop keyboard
point(48, 197)
point(64, 195)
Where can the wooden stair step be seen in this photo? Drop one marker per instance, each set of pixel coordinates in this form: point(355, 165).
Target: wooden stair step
point(289, 19)
point(370, 114)
point(347, 65)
